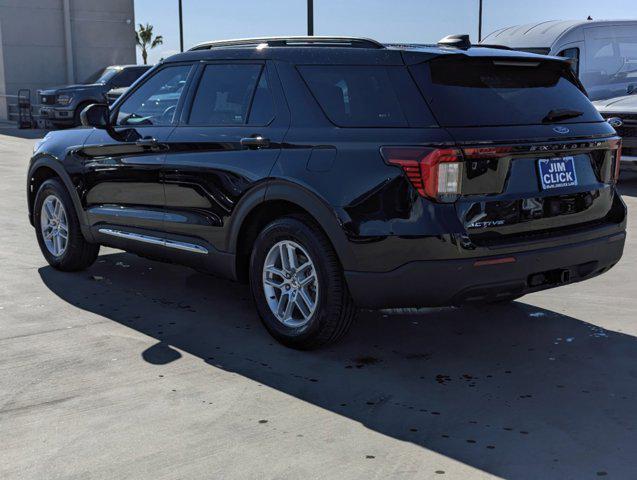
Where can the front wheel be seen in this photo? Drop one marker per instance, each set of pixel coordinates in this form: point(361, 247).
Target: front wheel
point(298, 285)
point(58, 229)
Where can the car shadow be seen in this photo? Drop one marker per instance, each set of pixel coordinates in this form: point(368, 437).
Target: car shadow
point(628, 184)
point(517, 391)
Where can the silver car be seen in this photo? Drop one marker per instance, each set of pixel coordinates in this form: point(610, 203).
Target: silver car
point(623, 111)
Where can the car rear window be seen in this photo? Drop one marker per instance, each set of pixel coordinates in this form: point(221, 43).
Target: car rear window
point(465, 91)
point(367, 96)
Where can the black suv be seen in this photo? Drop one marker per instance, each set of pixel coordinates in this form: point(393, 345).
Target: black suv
point(61, 106)
point(339, 173)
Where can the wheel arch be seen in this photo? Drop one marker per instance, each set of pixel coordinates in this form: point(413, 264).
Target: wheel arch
point(274, 200)
point(43, 169)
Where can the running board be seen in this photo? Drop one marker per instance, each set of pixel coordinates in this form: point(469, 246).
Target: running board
point(164, 242)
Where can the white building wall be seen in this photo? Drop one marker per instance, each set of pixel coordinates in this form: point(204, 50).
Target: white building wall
point(33, 47)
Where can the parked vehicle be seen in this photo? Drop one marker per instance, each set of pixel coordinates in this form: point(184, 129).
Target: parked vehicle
point(602, 52)
point(622, 114)
point(62, 105)
point(339, 173)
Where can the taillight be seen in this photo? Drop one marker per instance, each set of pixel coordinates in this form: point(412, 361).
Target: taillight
point(618, 160)
point(435, 173)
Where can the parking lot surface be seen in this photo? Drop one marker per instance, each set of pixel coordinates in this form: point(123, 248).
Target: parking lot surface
point(142, 370)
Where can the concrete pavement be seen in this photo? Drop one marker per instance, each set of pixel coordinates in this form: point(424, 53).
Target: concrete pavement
point(141, 370)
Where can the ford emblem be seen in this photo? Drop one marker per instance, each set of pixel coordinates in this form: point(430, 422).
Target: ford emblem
point(561, 130)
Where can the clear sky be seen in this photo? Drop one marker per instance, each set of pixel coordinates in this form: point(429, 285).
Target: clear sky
point(418, 21)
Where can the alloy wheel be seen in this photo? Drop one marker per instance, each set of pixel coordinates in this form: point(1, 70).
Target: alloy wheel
point(54, 225)
point(290, 283)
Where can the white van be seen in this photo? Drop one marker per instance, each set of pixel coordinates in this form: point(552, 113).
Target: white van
point(603, 53)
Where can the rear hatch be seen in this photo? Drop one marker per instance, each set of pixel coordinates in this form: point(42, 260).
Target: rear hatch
point(537, 158)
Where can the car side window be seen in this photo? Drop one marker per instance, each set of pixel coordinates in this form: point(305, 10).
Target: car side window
point(155, 101)
point(225, 94)
point(355, 95)
point(262, 109)
point(573, 57)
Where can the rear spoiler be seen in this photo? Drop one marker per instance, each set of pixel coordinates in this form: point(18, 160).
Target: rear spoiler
point(495, 52)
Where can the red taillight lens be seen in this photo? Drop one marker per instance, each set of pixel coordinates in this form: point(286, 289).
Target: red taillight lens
point(434, 172)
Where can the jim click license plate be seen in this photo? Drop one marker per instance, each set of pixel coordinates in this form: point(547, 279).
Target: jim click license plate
point(557, 172)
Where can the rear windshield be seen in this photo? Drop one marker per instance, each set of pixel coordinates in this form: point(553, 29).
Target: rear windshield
point(465, 91)
point(367, 96)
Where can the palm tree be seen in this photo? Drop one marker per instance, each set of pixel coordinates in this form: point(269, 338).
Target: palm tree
point(144, 39)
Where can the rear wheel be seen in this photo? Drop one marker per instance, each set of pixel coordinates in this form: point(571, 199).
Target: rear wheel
point(298, 286)
point(58, 229)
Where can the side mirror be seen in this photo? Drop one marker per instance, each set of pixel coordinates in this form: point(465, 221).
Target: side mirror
point(96, 115)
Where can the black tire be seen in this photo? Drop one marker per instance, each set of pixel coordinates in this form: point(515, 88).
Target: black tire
point(335, 308)
point(79, 254)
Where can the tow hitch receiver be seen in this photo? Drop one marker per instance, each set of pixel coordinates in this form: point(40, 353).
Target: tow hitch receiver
point(551, 277)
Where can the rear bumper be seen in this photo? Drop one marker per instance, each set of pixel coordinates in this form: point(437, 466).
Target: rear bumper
point(435, 283)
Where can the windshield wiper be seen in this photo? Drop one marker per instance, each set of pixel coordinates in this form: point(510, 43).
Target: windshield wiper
point(561, 114)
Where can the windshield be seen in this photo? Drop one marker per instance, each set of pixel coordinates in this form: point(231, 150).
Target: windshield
point(465, 91)
point(101, 76)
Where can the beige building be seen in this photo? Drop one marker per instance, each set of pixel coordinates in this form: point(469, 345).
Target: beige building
point(44, 43)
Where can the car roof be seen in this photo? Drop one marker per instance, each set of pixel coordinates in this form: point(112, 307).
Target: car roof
point(543, 34)
point(317, 50)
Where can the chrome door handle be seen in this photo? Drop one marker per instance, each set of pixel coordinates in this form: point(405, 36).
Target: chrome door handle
point(256, 141)
point(146, 141)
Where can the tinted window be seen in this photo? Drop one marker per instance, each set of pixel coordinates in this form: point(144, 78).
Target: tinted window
point(465, 91)
point(355, 96)
point(127, 77)
point(154, 102)
point(262, 110)
point(224, 95)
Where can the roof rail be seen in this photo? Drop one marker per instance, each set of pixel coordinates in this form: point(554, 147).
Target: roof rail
point(353, 42)
point(408, 45)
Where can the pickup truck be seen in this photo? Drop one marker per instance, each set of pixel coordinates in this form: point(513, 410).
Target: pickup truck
point(61, 106)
